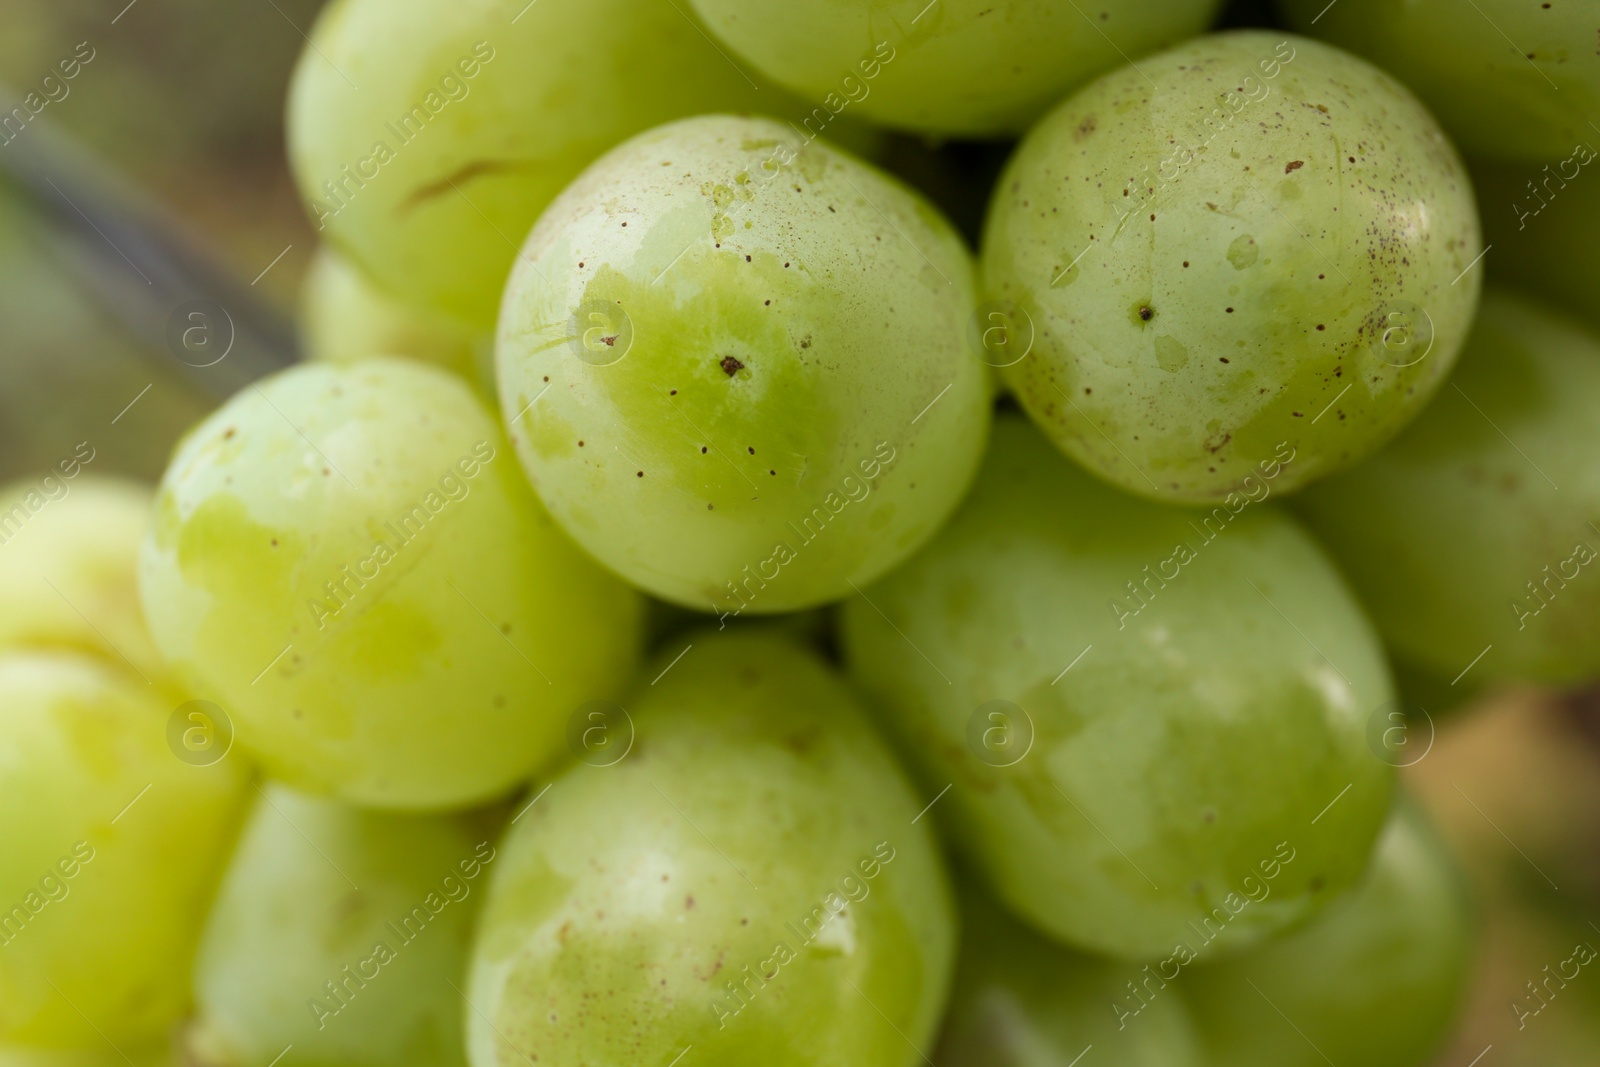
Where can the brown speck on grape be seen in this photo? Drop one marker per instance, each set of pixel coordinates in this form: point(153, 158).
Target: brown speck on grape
point(1293, 165)
point(730, 366)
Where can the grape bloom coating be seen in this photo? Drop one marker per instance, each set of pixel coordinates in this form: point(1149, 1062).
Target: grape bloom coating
point(1244, 240)
point(736, 371)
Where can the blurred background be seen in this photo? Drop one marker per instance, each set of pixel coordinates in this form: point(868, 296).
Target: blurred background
point(150, 197)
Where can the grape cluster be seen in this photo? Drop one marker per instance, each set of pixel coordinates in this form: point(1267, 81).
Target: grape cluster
point(694, 609)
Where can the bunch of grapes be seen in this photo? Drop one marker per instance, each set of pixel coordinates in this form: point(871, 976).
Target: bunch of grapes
point(698, 607)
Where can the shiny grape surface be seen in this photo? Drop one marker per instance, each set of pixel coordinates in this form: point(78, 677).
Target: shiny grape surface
point(1139, 710)
point(747, 879)
point(736, 367)
point(1258, 244)
point(350, 562)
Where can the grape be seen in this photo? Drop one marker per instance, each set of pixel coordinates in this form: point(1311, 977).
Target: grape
point(1543, 232)
point(1022, 1002)
point(761, 350)
point(112, 847)
point(1528, 100)
point(427, 136)
point(1295, 221)
point(1152, 721)
point(1472, 535)
point(972, 68)
point(347, 319)
point(351, 561)
point(748, 879)
point(68, 553)
point(341, 934)
point(1376, 980)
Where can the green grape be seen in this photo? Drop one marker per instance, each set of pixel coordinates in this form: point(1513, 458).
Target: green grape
point(1294, 225)
point(347, 318)
point(747, 878)
point(760, 348)
point(340, 935)
point(1472, 534)
point(1376, 980)
point(351, 561)
point(426, 136)
point(972, 68)
point(1543, 232)
point(1152, 721)
point(69, 549)
point(1020, 1001)
point(1531, 99)
point(113, 846)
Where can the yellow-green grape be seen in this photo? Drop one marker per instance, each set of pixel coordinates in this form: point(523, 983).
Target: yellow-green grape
point(736, 367)
point(1376, 980)
point(1153, 722)
point(1260, 243)
point(351, 562)
point(1472, 537)
point(427, 136)
point(1542, 225)
point(339, 938)
point(747, 878)
point(1509, 79)
point(1020, 1001)
point(69, 550)
point(347, 318)
point(112, 847)
point(971, 68)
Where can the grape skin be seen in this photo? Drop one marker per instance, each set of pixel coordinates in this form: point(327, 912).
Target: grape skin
point(287, 921)
point(969, 68)
point(763, 354)
point(1232, 259)
point(117, 842)
point(1176, 751)
point(1376, 980)
point(624, 907)
point(1454, 537)
point(442, 677)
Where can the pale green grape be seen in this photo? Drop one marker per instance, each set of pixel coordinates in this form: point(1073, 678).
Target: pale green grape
point(1376, 980)
point(350, 560)
point(1020, 1001)
point(342, 933)
point(1257, 245)
point(112, 848)
point(1509, 79)
point(963, 67)
point(1139, 710)
point(1473, 533)
point(347, 318)
point(1543, 229)
point(426, 136)
point(748, 879)
point(736, 370)
point(69, 550)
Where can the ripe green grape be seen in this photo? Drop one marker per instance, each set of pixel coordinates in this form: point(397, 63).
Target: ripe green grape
point(427, 136)
point(1020, 1001)
point(973, 68)
point(1152, 721)
point(759, 349)
point(342, 933)
point(748, 879)
point(350, 560)
point(1543, 231)
point(1376, 980)
point(113, 846)
point(1472, 534)
point(1257, 245)
point(347, 318)
point(69, 550)
point(1528, 100)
